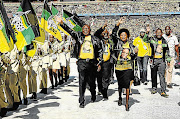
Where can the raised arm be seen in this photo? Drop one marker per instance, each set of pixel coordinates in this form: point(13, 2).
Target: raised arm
point(66, 28)
point(100, 30)
point(115, 30)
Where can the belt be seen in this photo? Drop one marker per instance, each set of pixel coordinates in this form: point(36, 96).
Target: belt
point(88, 60)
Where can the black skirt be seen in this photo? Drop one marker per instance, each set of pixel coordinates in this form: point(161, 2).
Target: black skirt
point(124, 77)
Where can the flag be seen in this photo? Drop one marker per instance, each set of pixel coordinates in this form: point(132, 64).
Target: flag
point(48, 23)
point(55, 12)
point(73, 21)
point(24, 25)
point(41, 38)
point(30, 50)
point(32, 18)
point(7, 37)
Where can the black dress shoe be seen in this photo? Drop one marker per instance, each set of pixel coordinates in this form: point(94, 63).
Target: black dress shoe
point(35, 95)
point(81, 105)
point(52, 87)
point(119, 102)
point(127, 107)
point(169, 86)
point(25, 101)
point(56, 84)
point(3, 112)
point(32, 97)
point(42, 91)
point(105, 99)
point(61, 82)
point(45, 90)
point(15, 105)
point(93, 99)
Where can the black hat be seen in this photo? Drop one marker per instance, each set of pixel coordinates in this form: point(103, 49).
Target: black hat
point(124, 30)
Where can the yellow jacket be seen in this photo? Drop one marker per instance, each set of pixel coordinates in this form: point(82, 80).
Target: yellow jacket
point(144, 48)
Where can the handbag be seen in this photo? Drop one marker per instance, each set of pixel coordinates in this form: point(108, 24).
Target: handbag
point(136, 78)
point(177, 65)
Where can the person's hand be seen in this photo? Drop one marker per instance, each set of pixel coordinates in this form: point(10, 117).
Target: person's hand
point(121, 20)
point(59, 19)
point(105, 25)
point(99, 68)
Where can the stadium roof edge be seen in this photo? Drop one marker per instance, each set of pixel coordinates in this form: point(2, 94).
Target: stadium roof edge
point(131, 14)
point(90, 2)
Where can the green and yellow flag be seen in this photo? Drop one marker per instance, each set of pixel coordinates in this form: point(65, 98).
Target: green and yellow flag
point(48, 23)
point(7, 37)
point(73, 21)
point(30, 50)
point(55, 12)
point(41, 38)
point(25, 25)
point(33, 20)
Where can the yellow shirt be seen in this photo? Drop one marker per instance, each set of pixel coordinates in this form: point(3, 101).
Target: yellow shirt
point(159, 50)
point(144, 48)
point(87, 50)
point(106, 54)
point(124, 59)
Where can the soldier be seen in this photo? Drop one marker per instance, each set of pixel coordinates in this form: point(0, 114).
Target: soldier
point(3, 103)
point(12, 79)
point(42, 70)
point(65, 58)
point(61, 61)
point(22, 76)
point(54, 60)
point(34, 69)
point(31, 78)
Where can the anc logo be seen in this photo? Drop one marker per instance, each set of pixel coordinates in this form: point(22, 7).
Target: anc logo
point(1, 26)
point(17, 21)
point(51, 22)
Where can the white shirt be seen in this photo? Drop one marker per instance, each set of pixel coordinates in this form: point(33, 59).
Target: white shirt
point(172, 41)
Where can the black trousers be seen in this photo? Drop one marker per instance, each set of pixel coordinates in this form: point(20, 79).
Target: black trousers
point(87, 72)
point(103, 78)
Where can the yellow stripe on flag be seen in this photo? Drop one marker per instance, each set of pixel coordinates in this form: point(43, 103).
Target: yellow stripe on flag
point(32, 52)
point(22, 19)
point(61, 29)
point(41, 38)
point(21, 42)
point(11, 44)
point(4, 47)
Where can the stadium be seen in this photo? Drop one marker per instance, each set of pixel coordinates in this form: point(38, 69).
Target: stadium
point(139, 13)
point(74, 59)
